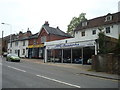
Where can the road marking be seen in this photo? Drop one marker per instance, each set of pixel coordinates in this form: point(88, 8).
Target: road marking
point(59, 81)
point(0, 63)
point(17, 69)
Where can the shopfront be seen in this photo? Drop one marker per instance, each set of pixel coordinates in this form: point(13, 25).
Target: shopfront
point(78, 52)
point(36, 51)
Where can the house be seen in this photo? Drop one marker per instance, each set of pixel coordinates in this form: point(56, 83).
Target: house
point(84, 43)
point(47, 33)
point(19, 43)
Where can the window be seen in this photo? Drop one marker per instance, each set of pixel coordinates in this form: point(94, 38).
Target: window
point(76, 32)
point(83, 33)
point(11, 44)
point(23, 52)
point(84, 24)
point(16, 43)
point(43, 39)
point(16, 51)
point(23, 43)
point(10, 51)
point(94, 32)
point(34, 41)
point(107, 29)
point(108, 18)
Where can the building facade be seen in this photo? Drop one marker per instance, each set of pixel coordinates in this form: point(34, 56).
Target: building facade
point(84, 44)
point(19, 45)
point(47, 33)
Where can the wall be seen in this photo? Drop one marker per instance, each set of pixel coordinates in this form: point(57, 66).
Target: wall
point(106, 63)
point(19, 47)
point(88, 32)
point(49, 37)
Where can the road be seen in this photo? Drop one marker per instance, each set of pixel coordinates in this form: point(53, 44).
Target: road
point(32, 75)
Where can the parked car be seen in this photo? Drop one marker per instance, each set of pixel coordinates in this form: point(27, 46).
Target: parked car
point(78, 60)
point(12, 57)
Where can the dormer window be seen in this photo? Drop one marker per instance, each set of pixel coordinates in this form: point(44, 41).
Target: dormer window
point(84, 24)
point(108, 18)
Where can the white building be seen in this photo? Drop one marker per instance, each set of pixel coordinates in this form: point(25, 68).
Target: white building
point(119, 6)
point(19, 48)
point(85, 38)
point(19, 45)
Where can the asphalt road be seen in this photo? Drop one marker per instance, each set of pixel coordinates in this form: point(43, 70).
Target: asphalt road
point(31, 75)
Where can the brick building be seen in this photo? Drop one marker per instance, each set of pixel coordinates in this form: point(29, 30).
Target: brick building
point(47, 33)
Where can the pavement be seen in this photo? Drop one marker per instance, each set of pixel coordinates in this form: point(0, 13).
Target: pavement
point(84, 69)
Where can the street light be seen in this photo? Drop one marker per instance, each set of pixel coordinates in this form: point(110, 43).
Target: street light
point(10, 32)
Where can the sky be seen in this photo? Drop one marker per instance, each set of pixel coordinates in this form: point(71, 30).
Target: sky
point(18, 15)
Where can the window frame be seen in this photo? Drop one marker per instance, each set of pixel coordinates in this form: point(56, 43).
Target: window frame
point(83, 33)
point(107, 30)
point(93, 32)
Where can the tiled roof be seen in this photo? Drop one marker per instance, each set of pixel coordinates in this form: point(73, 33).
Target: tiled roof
point(100, 21)
point(33, 36)
point(55, 31)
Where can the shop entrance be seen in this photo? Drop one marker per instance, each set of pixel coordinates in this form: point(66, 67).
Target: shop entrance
point(71, 55)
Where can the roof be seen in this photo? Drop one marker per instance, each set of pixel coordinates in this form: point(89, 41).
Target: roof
point(55, 31)
point(33, 36)
point(100, 21)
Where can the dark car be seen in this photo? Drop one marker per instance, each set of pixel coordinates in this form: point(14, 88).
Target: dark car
point(12, 57)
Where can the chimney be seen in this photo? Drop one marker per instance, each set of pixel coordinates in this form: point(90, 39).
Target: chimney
point(46, 23)
point(28, 32)
point(20, 34)
point(57, 27)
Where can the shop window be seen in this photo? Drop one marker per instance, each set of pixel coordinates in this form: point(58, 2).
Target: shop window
point(107, 29)
point(93, 32)
point(83, 33)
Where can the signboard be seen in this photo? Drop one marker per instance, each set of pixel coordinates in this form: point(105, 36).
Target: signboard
point(36, 46)
point(71, 45)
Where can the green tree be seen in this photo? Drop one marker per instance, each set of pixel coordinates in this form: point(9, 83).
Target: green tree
point(102, 41)
point(74, 23)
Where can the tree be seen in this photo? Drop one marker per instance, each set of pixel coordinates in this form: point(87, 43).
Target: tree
point(74, 23)
point(102, 41)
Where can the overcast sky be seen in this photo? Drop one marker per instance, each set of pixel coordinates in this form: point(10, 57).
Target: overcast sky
point(21, 14)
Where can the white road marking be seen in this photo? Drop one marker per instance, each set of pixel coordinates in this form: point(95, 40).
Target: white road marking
point(0, 63)
point(59, 81)
point(17, 69)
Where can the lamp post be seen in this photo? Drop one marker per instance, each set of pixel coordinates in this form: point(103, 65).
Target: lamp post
point(10, 32)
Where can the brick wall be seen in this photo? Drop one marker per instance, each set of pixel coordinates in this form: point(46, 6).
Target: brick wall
point(106, 63)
